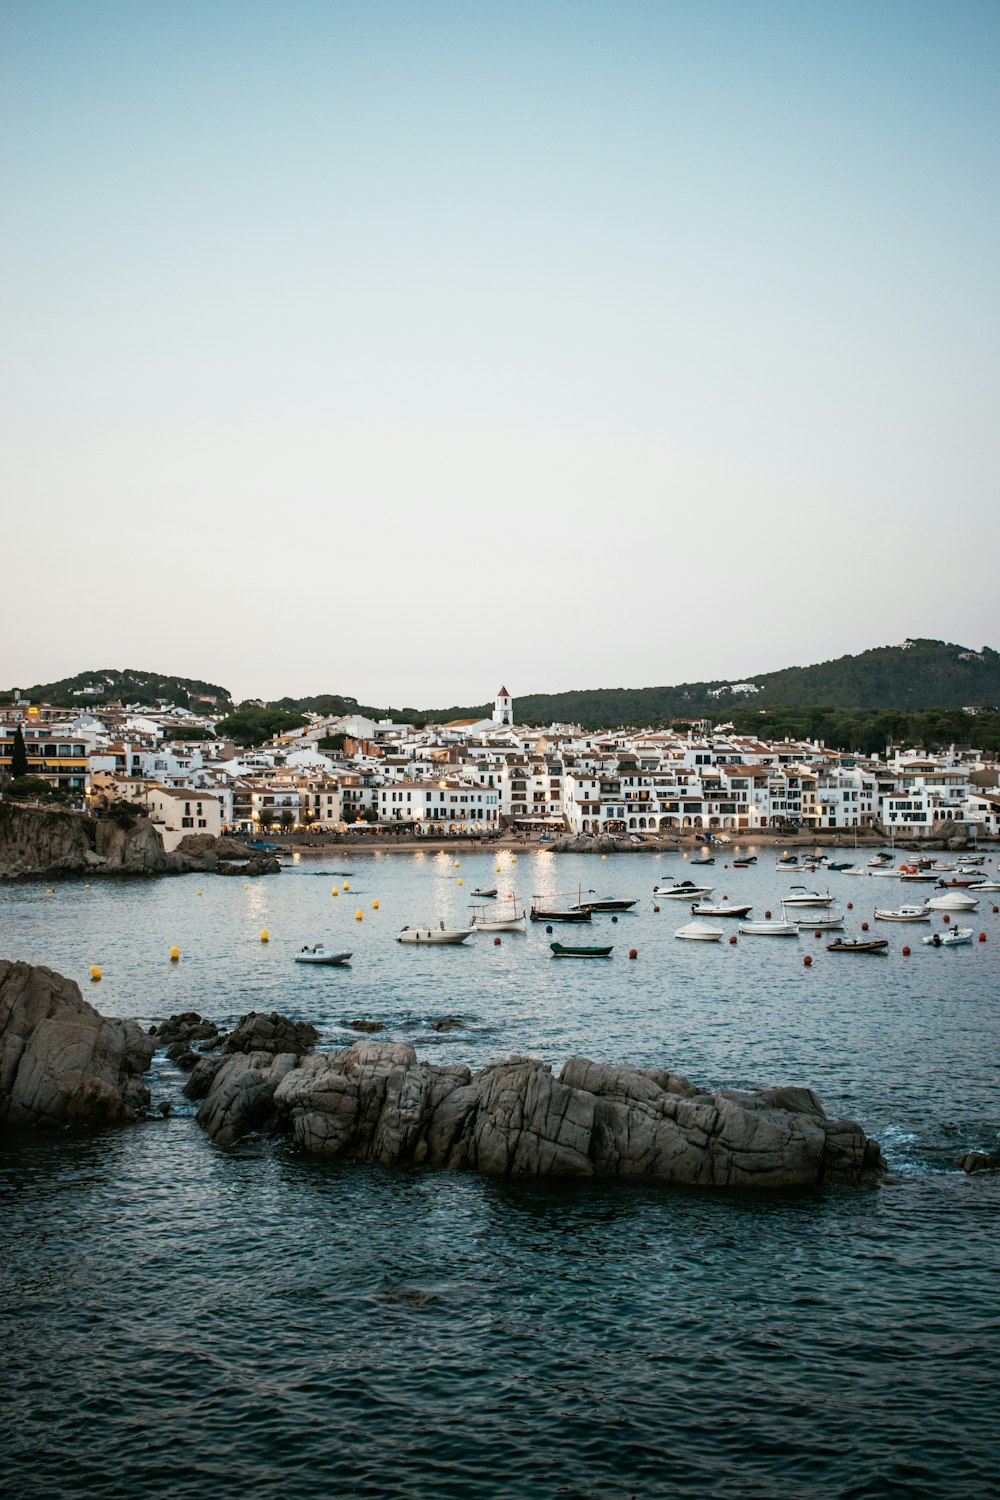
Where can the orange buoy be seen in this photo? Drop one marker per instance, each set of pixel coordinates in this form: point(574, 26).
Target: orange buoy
point(946, 917)
point(906, 952)
point(496, 942)
point(850, 906)
point(732, 942)
point(864, 927)
point(808, 960)
point(633, 953)
point(817, 933)
point(982, 937)
point(768, 915)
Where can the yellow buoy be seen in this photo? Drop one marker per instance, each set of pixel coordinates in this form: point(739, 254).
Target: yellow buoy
point(604, 856)
point(460, 880)
point(347, 885)
point(498, 869)
point(175, 954)
point(375, 906)
point(456, 864)
point(265, 936)
point(95, 973)
point(50, 892)
point(87, 886)
point(201, 893)
point(335, 892)
point(359, 915)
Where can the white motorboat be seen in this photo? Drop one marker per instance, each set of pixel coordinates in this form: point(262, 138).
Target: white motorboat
point(917, 875)
point(855, 870)
point(700, 932)
point(438, 934)
point(720, 911)
point(985, 885)
point(686, 891)
point(317, 954)
point(799, 896)
point(948, 939)
point(953, 901)
point(768, 929)
point(886, 872)
point(820, 924)
point(880, 861)
point(512, 918)
point(904, 914)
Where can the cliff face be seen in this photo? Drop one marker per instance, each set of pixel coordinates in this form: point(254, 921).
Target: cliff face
point(50, 841)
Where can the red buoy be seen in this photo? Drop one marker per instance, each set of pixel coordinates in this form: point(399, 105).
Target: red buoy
point(656, 908)
point(496, 942)
point(767, 914)
point(946, 917)
point(807, 960)
point(864, 927)
point(906, 952)
point(633, 953)
point(732, 941)
point(982, 937)
point(850, 906)
point(817, 933)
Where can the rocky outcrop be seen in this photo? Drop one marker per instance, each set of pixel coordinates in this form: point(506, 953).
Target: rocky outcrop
point(581, 843)
point(979, 1161)
point(377, 1102)
point(256, 1032)
point(61, 1063)
point(43, 843)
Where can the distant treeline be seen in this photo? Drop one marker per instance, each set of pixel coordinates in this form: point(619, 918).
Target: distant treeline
point(868, 731)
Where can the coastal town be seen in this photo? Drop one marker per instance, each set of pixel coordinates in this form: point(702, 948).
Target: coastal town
point(352, 776)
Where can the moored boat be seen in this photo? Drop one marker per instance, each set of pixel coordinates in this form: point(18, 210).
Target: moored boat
point(700, 932)
point(578, 914)
point(685, 891)
point(954, 901)
point(720, 911)
point(799, 896)
point(438, 934)
point(858, 945)
point(768, 929)
point(904, 914)
point(605, 903)
point(509, 918)
point(317, 954)
point(819, 924)
point(561, 951)
point(951, 939)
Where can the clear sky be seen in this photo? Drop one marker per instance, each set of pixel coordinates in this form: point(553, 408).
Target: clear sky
point(405, 349)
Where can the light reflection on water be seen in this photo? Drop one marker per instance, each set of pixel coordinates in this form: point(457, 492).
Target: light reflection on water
point(176, 1318)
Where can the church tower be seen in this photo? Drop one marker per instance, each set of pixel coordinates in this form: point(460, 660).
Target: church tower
point(503, 711)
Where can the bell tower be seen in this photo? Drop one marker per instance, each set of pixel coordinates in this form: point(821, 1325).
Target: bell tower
point(503, 709)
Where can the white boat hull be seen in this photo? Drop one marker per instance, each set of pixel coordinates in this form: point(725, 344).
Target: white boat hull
point(699, 932)
point(435, 935)
point(768, 929)
point(501, 924)
point(331, 958)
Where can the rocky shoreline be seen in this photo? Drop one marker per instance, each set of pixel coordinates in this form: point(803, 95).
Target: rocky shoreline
point(63, 1065)
point(48, 843)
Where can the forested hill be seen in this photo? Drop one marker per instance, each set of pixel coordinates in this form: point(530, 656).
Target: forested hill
point(129, 685)
point(919, 674)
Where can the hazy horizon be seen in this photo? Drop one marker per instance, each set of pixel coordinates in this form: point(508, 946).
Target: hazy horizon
point(403, 351)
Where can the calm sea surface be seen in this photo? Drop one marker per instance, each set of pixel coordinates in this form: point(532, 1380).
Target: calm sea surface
point(176, 1320)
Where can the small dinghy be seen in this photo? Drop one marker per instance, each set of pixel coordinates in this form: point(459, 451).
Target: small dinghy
point(948, 939)
point(486, 895)
point(560, 951)
point(858, 945)
point(744, 864)
point(720, 911)
point(317, 954)
point(508, 918)
point(768, 929)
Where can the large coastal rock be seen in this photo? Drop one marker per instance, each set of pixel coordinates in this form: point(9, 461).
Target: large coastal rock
point(40, 842)
point(377, 1102)
point(61, 1062)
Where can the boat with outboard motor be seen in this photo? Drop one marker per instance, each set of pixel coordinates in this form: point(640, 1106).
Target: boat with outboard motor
point(317, 954)
point(720, 911)
point(435, 935)
point(858, 945)
point(953, 939)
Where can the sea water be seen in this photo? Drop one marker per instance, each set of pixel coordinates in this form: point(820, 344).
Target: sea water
point(177, 1320)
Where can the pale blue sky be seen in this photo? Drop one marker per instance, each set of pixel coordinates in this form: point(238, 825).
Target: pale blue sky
point(401, 349)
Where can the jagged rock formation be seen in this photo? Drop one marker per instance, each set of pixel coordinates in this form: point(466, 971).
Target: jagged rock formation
point(376, 1102)
point(38, 842)
point(979, 1161)
point(61, 1063)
